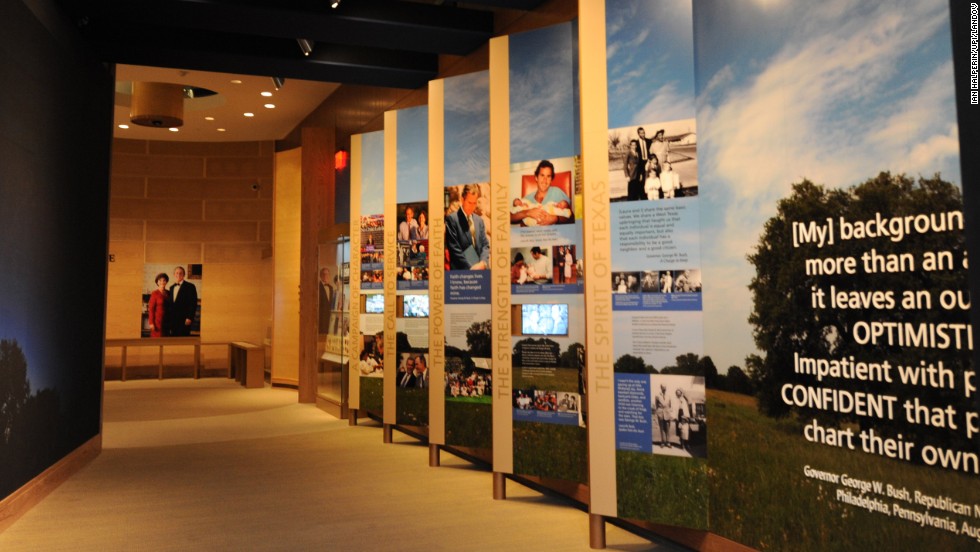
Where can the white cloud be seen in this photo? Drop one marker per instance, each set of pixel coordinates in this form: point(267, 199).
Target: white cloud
point(923, 157)
point(667, 104)
point(468, 93)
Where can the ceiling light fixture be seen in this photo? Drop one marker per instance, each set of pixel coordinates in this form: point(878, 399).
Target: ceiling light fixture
point(334, 3)
point(157, 104)
point(278, 82)
point(249, 114)
point(270, 106)
point(266, 94)
point(305, 45)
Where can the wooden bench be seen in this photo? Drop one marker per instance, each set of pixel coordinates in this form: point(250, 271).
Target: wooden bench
point(247, 362)
point(160, 342)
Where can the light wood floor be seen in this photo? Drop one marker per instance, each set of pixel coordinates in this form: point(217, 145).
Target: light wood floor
point(207, 465)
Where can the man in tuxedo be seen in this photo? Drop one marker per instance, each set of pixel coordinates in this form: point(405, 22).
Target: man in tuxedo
point(327, 294)
point(183, 304)
point(466, 234)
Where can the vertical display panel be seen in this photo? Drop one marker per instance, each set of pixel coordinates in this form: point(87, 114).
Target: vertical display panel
point(543, 280)
point(410, 180)
point(367, 293)
point(656, 409)
point(463, 195)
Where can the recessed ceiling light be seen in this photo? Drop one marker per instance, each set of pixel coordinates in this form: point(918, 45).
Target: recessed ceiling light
point(249, 114)
point(123, 126)
point(221, 130)
point(236, 81)
point(174, 129)
point(209, 118)
point(266, 94)
point(270, 106)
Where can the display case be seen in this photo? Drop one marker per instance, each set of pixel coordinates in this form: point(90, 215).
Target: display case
point(333, 325)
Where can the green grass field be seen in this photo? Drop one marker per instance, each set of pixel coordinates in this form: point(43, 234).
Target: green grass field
point(412, 407)
point(662, 489)
point(469, 424)
point(372, 394)
point(551, 450)
point(560, 379)
point(760, 496)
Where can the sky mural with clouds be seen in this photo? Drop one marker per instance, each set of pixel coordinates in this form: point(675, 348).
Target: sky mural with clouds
point(831, 91)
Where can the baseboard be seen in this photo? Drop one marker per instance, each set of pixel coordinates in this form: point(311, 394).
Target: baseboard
point(28, 496)
point(284, 382)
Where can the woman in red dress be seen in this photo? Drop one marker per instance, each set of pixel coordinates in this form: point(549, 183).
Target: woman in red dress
point(158, 305)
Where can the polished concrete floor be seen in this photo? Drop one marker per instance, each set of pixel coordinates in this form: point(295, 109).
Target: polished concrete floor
point(207, 465)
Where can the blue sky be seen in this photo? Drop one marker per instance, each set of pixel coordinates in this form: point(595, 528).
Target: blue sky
point(467, 128)
point(543, 110)
point(372, 173)
point(413, 154)
point(834, 91)
point(650, 56)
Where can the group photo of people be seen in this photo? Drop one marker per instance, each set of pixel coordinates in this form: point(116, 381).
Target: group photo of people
point(413, 261)
point(413, 242)
point(372, 279)
point(544, 197)
point(657, 281)
point(474, 384)
point(678, 414)
point(653, 162)
point(372, 251)
point(171, 303)
point(546, 401)
point(467, 227)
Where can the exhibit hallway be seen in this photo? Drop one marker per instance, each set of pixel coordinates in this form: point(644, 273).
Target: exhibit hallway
point(207, 465)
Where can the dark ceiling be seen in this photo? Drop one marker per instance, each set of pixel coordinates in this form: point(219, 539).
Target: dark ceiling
point(387, 43)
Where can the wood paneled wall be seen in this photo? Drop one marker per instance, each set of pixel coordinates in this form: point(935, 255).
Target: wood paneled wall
point(193, 202)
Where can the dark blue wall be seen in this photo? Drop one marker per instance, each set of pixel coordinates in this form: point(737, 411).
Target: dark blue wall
point(55, 137)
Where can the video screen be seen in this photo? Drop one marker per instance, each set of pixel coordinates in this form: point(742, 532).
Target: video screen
point(374, 303)
point(544, 319)
point(416, 306)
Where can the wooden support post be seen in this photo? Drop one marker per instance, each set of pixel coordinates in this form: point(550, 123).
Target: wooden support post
point(597, 531)
point(433, 455)
point(499, 486)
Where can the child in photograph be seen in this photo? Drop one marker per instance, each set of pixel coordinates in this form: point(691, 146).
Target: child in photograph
point(653, 187)
point(670, 181)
